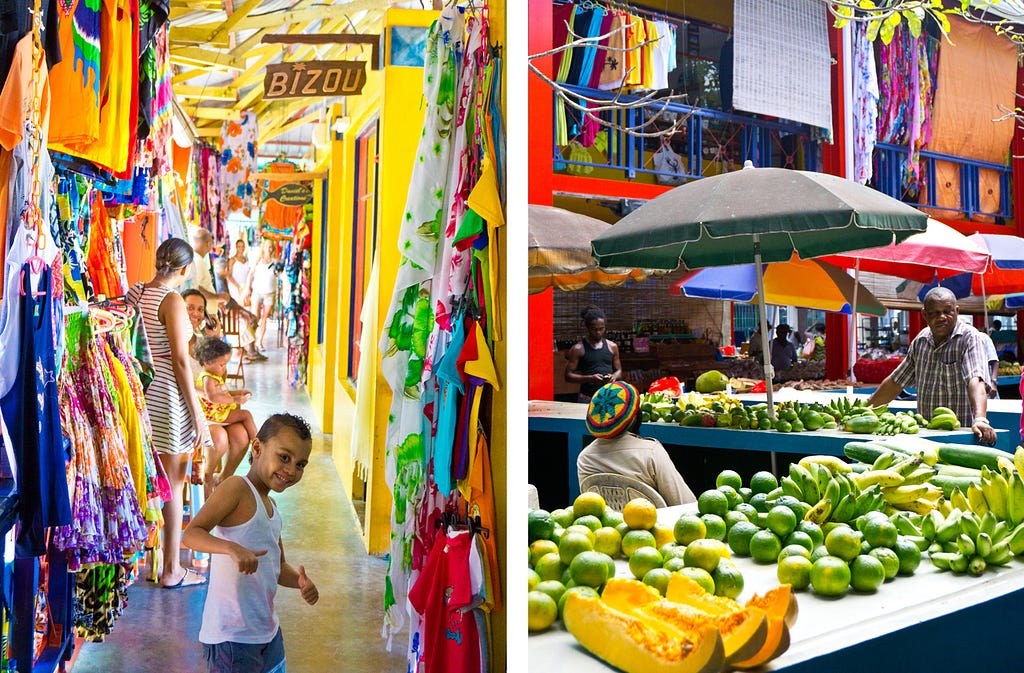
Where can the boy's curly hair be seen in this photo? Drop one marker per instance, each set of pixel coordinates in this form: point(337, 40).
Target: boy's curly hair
point(278, 422)
point(210, 349)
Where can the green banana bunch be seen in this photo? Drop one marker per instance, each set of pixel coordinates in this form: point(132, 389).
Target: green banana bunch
point(996, 490)
point(965, 543)
point(1015, 499)
point(976, 499)
point(805, 483)
point(820, 512)
point(1018, 459)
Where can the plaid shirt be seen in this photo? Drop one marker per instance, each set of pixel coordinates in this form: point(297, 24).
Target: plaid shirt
point(941, 373)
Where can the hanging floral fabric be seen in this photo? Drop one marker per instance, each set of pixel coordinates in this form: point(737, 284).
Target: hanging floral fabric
point(865, 104)
point(209, 213)
point(238, 162)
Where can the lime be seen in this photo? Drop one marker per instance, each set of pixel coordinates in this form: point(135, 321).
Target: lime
point(611, 518)
point(640, 514)
point(909, 555)
point(728, 579)
point(879, 532)
point(658, 578)
point(622, 528)
point(677, 551)
point(713, 502)
point(552, 588)
point(732, 517)
point(540, 547)
point(843, 542)
point(795, 571)
point(759, 501)
point(781, 521)
point(830, 576)
point(730, 478)
point(801, 538)
point(813, 530)
point(582, 590)
point(715, 526)
point(732, 495)
point(590, 521)
point(701, 577)
point(890, 561)
point(549, 567)
point(866, 573)
point(689, 527)
point(635, 539)
point(608, 541)
point(739, 537)
point(794, 550)
point(763, 482)
point(572, 544)
point(562, 517)
point(581, 530)
point(566, 578)
point(746, 509)
point(588, 502)
point(643, 560)
point(532, 577)
point(542, 610)
point(589, 568)
point(818, 552)
point(674, 563)
point(540, 524)
point(745, 493)
point(765, 547)
point(703, 554)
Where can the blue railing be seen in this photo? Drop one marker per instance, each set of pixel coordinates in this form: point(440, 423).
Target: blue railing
point(889, 165)
point(709, 138)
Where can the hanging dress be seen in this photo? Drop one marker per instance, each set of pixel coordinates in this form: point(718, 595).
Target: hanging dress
point(169, 415)
point(31, 411)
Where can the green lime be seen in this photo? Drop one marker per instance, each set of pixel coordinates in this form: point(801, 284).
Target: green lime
point(590, 521)
point(879, 532)
point(549, 567)
point(746, 509)
point(843, 542)
point(730, 478)
point(818, 552)
point(704, 554)
point(715, 526)
point(562, 517)
point(765, 547)
point(763, 482)
point(890, 561)
point(728, 579)
point(866, 573)
point(581, 530)
point(589, 502)
point(643, 560)
point(658, 578)
point(636, 539)
point(541, 611)
point(732, 495)
point(909, 555)
point(740, 536)
point(713, 502)
point(732, 517)
point(745, 493)
point(701, 577)
point(611, 518)
point(674, 563)
point(759, 501)
point(689, 527)
point(589, 568)
point(813, 531)
point(582, 590)
point(830, 576)
point(572, 544)
point(540, 547)
point(552, 588)
point(540, 525)
point(781, 521)
point(794, 550)
point(532, 577)
point(608, 541)
point(801, 538)
point(795, 571)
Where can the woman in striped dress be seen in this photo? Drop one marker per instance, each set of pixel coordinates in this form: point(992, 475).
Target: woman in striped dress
point(175, 414)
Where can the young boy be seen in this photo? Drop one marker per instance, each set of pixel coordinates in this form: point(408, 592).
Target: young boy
point(241, 527)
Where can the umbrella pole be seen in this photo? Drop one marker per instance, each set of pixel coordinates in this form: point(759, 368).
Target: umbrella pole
point(769, 371)
point(984, 300)
point(853, 320)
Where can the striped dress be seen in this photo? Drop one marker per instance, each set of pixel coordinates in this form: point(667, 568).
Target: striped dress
point(173, 429)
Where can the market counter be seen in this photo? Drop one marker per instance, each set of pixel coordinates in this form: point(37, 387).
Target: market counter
point(930, 621)
point(568, 418)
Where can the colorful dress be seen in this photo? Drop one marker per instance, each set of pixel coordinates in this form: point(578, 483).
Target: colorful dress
point(216, 412)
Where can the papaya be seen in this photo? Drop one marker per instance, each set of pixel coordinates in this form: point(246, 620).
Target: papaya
point(780, 606)
point(743, 631)
point(711, 382)
point(638, 643)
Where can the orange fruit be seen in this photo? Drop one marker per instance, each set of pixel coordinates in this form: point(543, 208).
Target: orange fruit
point(866, 573)
point(635, 539)
point(542, 610)
point(830, 576)
point(689, 527)
point(588, 502)
point(842, 541)
point(640, 514)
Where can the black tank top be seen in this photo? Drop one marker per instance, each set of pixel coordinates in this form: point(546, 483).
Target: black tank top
point(595, 361)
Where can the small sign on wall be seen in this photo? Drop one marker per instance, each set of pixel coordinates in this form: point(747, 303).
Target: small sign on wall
point(291, 194)
point(314, 79)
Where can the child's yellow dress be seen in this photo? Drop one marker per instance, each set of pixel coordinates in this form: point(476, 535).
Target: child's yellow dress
point(215, 412)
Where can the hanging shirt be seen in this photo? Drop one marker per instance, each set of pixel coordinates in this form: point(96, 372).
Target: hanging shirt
point(613, 71)
point(75, 81)
point(449, 387)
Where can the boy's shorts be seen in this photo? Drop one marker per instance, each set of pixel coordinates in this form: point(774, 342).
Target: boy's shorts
point(231, 657)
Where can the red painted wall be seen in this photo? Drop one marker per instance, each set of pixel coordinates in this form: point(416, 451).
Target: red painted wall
point(833, 159)
point(541, 335)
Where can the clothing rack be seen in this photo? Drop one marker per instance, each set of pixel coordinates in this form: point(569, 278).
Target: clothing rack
point(450, 520)
point(624, 7)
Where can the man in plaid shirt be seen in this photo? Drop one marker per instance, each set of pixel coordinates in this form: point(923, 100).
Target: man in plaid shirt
point(947, 364)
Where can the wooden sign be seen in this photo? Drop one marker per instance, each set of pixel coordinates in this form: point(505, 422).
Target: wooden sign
point(291, 194)
point(314, 79)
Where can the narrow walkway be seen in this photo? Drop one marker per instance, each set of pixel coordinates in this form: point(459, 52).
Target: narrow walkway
point(158, 632)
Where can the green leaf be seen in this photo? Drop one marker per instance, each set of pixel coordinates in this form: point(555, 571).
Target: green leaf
point(841, 23)
point(913, 23)
point(867, 4)
point(872, 31)
point(887, 32)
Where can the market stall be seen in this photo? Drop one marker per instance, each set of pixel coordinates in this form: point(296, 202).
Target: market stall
point(900, 627)
point(568, 418)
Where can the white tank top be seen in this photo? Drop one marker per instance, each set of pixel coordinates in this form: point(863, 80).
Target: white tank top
point(239, 274)
point(240, 608)
point(264, 278)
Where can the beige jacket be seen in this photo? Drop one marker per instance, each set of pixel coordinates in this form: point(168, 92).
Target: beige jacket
point(645, 459)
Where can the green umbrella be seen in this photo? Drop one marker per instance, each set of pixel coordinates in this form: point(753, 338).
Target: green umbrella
point(756, 215)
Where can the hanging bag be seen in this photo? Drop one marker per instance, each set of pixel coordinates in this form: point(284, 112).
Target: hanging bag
point(669, 165)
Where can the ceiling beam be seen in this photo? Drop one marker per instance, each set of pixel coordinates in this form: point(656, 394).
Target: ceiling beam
point(277, 19)
point(290, 126)
point(208, 132)
point(237, 16)
point(221, 113)
point(198, 55)
point(223, 93)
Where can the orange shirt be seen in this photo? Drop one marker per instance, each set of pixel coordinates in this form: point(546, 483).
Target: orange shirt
point(76, 79)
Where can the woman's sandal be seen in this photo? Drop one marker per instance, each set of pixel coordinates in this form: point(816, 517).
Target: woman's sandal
point(181, 584)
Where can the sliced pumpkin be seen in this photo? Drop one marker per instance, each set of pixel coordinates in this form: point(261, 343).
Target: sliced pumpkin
point(743, 631)
point(682, 589)
point(640, 645)
point(780, 606)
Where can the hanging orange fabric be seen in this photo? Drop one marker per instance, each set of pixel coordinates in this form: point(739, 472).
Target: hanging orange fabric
point(76, 79)
point(279, 222)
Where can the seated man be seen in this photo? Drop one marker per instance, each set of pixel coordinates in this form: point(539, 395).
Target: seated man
point(613, 418)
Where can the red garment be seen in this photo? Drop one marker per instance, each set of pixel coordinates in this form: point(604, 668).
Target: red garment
point(451, 640)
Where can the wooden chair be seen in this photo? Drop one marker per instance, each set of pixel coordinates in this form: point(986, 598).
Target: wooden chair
point(230, 324)
point(618, 489)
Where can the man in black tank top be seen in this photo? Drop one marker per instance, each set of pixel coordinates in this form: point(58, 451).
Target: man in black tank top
point(594, 361)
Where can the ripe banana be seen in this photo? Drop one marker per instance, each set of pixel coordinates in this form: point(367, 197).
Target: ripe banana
point(886, 459)
point(976, 498)
point(944, 507)
point(995, 490)
point(834, 464)
point(1015, 503)
point(897, 495)
point(1006, 466)
point(881, 477)
point(1018, 459)
point(919, 506)
point(959, 500)
point(820, 512)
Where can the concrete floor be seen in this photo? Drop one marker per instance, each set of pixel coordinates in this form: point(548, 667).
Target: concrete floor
point(158, 631)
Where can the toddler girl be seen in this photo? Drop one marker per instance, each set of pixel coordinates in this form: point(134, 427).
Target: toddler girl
point(220, 404)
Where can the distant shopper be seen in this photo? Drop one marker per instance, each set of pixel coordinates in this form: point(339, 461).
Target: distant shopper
point(993, 365)
point(814, 345)
point(947, 364)
point(755, 349)
point(996, 326)
point(240, 526)
point(594, 361)
point(783, 354)
point(613, 419)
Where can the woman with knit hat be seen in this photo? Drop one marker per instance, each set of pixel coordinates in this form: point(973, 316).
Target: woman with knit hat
point(613, 418)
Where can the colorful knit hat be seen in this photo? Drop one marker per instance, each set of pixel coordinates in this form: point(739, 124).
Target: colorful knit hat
point(612, 409)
